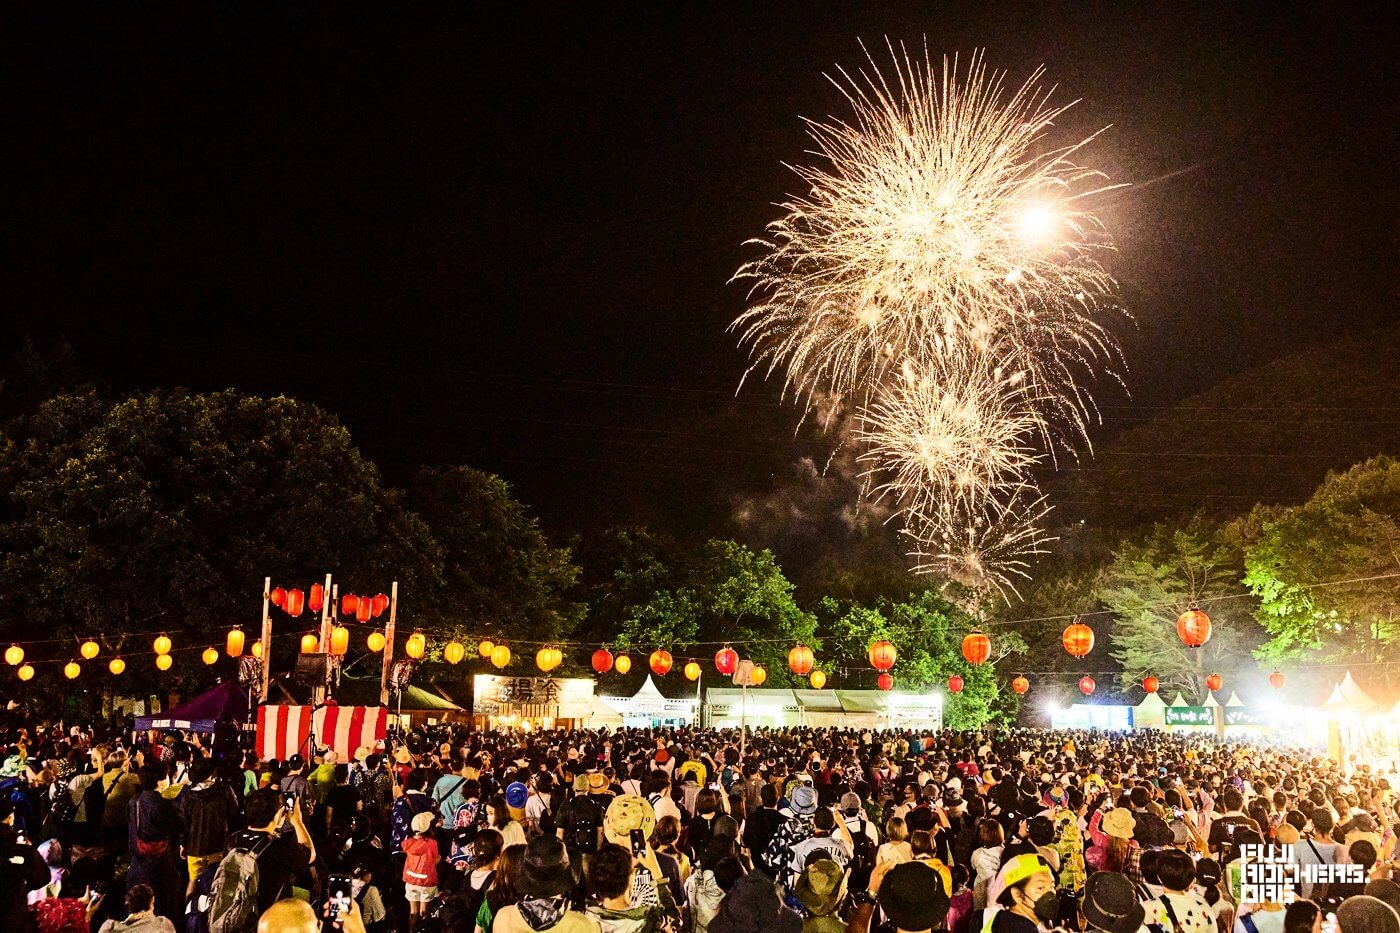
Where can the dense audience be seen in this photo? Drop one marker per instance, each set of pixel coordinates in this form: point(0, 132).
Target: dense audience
point(674, 830)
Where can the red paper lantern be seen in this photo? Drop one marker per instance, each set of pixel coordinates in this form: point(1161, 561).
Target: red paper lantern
point(1213, 682)
point(726, 661)
point(1150, 683)
point(363, 608)
point(1086, 685)
point(349, 605)
point(602, 660)
point(1078, 640)
point(378, 605)
point(317, 597)
point(296, 602)
point(1193, 628)
point(279, 597)
point(1020, 685)
point(882, 655)
point(801, 661)
point(1276, 680)
point(955, 684)
point(976, 648)
point(660, 663)
point(885, 681)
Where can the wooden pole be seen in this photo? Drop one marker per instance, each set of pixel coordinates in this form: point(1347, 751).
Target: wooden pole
point(318, 696)
point(389, 644)
point(266, 638)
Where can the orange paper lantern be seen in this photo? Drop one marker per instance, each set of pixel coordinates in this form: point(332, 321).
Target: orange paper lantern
point(375, 642)
point(547, 659)
point(349, 605)
point(817, 680)
point(692, 671)
point(1193, 628)
point(340, 641)
point(278, 597)
point(1020, 685)
point(800, 660)
point(660, 662)
point(26, 671)
point(378, 605)
point(602, 661)
point(882, 655)
point(71, 670)
point(163, 661)
point(415, 646)
point(89, 649)
point(623, 664)
point(955, 684)
point(500, 656)
point(976, 648)
point(1214, 682)
point(1150, 683)
point(317, 597)
point(1086, 685)
point(363, 609)
point(257, 649)
point(885, 681)
point(1276, 680)
point(162, 645)
point(233, 644)
point(1078, 640)
point(296, 603)
point(210, 656)
point(726, 661)
point(309, 643)
point(453, 652)
point(14, 655)
point(486, 647)
point(759, 675)
point(116, 665)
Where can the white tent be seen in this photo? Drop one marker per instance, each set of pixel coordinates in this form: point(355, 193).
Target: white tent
point(1151, 712)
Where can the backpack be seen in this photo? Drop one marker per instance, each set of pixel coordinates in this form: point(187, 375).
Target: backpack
point(863, 854)
point(95, 800)
point(62, 809)
point(233, 894)
point(584, 820)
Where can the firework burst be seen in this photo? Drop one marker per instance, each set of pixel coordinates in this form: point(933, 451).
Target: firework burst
point(942, 275)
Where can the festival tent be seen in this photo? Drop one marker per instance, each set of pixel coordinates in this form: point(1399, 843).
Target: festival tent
point(228, 702)
point(1348, 697)
point(1151, 712)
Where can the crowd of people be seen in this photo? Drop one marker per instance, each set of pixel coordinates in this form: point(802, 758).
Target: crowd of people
point(678, 830)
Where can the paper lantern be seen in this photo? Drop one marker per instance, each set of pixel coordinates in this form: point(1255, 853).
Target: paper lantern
point(296, 603)
point(233, 644)
point(453, 652)
point(1213, 682)
point(363, 610)
point(1078, 640)
point(602, 661)
point(317, 597)
point(162, 645)
point(375, 642)
point(378, 605)
point(486, 647)
point(163, 661)
point(71, 670)
point(1193, 628)
point(417, 644)
point(89, 649)
point(623, 664)
point(116, 665)
point(547, 658)
point(976, 648)
point(1086, 685)
point(882, 655)
point(800, 660)
point(886, 681)
point(257, 649)
point(340, 641)
point(1150, 683)
point(349, 605)
point(660, 662)
point(309, 643)
point(279, 597)
point(500, 656)
point(210, 656)
point(692, 671)
point(817, 680)
point(26, 672)
point(1276, 680)
point(759, 676)
point(1020, 685)
point(726, 661)
point(14, 655)
point(955, 684)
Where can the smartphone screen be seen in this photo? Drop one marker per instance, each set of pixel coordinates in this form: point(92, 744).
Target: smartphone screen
point(337, 900)
point(639, 843)
point(289, 802)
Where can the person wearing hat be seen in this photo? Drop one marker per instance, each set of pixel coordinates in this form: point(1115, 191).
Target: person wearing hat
point(801, 825)
point(820, 889)
point(1110, 904)
point(910, 894)
point(544, 883)
point(420, 878)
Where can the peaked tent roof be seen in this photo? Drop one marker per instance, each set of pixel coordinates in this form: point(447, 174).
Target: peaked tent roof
point(227, 702)
point(1180, 700)
point(1348, 697)
point(648, 691)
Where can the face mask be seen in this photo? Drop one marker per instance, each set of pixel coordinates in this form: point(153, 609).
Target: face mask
point(1047, 907)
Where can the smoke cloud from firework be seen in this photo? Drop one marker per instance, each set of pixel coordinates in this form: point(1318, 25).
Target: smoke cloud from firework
point(941, 276)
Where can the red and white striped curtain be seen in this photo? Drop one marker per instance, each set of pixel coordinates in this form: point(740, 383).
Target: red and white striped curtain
point(282, 730)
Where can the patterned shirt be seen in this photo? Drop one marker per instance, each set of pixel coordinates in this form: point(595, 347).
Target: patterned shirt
point(779, 852)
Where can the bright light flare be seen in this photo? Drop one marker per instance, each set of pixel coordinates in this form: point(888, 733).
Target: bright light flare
point(1037, 223)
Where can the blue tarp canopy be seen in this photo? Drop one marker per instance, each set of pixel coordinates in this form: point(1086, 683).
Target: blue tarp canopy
point(228, 702)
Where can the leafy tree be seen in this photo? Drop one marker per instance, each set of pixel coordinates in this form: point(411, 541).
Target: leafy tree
point(619, 569)
point(724, 591)
point(1348, 530)
point(500, 577)
point(1153, 580)
point(927, 631)
point(163, 512)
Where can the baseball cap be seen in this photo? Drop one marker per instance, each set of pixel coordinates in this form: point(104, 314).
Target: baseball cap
point(516, 795)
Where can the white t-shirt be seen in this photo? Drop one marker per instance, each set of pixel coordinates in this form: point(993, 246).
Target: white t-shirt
point(1193, 914)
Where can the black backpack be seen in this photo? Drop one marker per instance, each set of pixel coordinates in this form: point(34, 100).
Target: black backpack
point(584, 820)
point(95, 799)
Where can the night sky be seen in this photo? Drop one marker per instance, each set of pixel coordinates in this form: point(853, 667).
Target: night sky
point(506, 242)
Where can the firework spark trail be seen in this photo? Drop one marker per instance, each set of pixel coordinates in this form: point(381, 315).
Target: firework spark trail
point(942, 274)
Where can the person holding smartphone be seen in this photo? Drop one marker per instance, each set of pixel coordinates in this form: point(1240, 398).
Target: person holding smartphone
point(282, 857)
